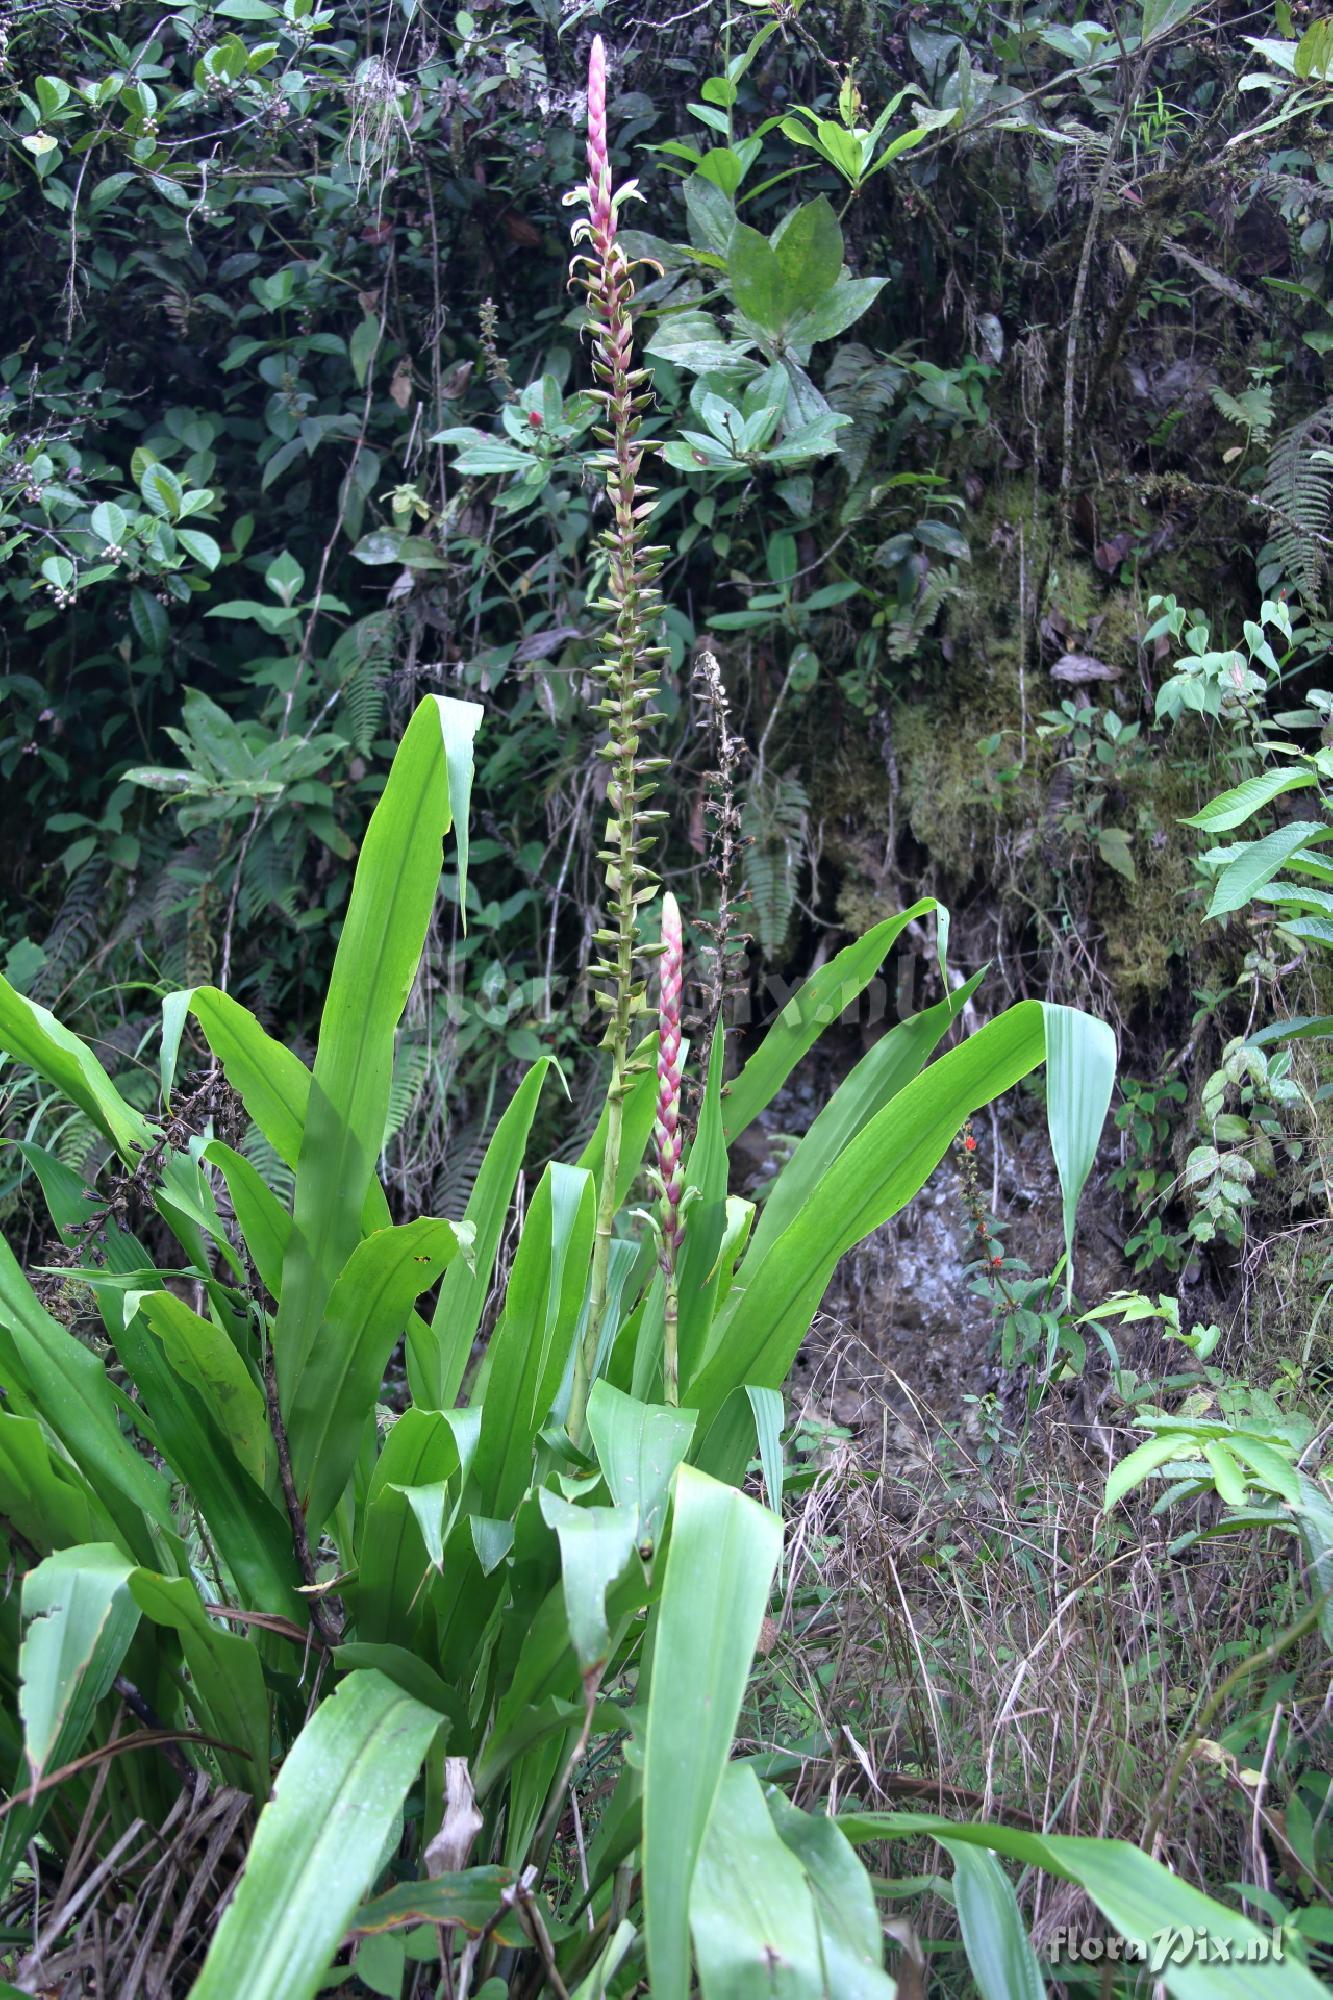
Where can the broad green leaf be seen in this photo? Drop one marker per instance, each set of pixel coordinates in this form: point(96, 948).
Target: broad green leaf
point(530, 1346)
point(1227, 1475)
point(1141, 1463)
point(757, 282)
point(638, 1446)
point(175, 1010)
point(808, 247)
point(470, 1901)
point(999, 1949)
point(428, 1504)
point(320, 1842)
point(770, 1308)
point(363, 1321)
point(840, 308)
point(378, 954)
point(42, 1493)
point(422, 1448)
point(1138, 1896)
point(1233, 808)
point(881, 1073)
point(34, 1036)
point(595, 1545)
point(815, 1007)
point(438, 1368)
point(1272, 1468)
point(719, 1568)
point(1255, 862)
point(253, 1538)
point(1080, 1076)
point(264, 1223)
point(203, 1355)
point(67, 1203)
point(411, 1673)
point(597, 1984)
point(362, 347)
point(1160, 16)
point(68, 1386)
point(272, 1083)
point(78, 1620)
point(851, 1940)
point(752, 1915)
point(226, 1687)
point(691, 340)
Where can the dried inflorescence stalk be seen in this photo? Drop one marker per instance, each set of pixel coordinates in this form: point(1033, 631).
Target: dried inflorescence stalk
point(668, 1136)
point(497, 367)
point(628, 670)
point(725, 842)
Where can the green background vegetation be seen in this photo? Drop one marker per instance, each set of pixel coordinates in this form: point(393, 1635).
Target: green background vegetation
point(989, 352)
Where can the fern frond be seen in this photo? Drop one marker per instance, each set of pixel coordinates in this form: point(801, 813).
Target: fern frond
point(272, 1170)
point(773, 821)
point(75, 931)
point(1297, 490)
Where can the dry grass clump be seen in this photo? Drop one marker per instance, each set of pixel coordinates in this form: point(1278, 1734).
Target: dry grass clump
point(965, 1632)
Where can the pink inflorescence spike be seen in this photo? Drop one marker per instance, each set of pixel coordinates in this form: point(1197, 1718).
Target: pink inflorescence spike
point(599, 157)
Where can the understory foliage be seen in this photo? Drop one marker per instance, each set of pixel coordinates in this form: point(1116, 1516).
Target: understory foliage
point(429, 659)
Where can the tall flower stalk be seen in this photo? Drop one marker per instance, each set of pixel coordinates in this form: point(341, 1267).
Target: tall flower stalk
point(668, 1136)
point(628, 670)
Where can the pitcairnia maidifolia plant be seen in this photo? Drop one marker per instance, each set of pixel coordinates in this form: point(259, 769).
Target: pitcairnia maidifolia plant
point(410, 1638)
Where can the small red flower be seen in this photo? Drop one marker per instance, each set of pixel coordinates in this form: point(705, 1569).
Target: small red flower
point(534, 418)
point(996, 1262)
point(969, 1144)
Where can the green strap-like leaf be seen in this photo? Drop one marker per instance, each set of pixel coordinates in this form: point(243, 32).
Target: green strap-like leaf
point(253, 1538)
point(260, 1216)
point(852, 1942)
point(1080, 1076)
point(203, 1355)
point(719, 1568)
point(999, 1949)
point(226, 1686)
point(470, 1901)
point(595, 1545)
point(439, 1366)
point(528, 1349)
point(33, 1036)
point(751, 1910)
point(78, 1621)
point(424, 1447)
point(68, 1386)
point(881, 1073)
point(806, 1015)
point(638, 1446)
point(43, 1494)
point(378, 954)
point(1139, 1897)
point(363, 1322)
point(889, 1160)
point(320, 1842)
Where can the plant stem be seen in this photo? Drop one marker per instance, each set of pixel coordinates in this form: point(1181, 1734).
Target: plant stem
point(628, 672)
